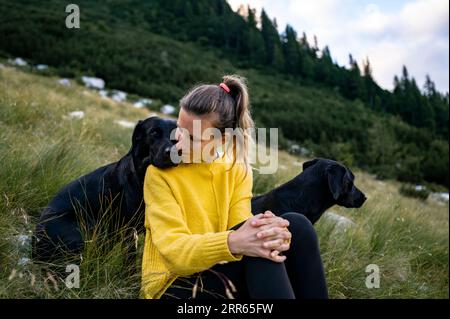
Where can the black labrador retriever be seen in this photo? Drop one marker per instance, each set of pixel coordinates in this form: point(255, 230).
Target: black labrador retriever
point(111, 195)
point(322, 184)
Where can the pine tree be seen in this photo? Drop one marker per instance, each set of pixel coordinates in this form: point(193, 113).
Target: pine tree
point(291, 50)
point(429, 87)
point(351, 83)
point(370, 86)
point(324, 68)
point(253, 45)
point(306, 60)
point(272, 42)
point(439, 105)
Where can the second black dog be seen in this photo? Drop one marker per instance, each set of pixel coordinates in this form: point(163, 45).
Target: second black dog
point(322, 184)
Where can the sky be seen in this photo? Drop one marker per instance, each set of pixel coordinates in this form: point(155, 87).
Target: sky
point(391, 33)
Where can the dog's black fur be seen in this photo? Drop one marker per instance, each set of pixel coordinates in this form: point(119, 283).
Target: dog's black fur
point(322, 184)
point(112, 194)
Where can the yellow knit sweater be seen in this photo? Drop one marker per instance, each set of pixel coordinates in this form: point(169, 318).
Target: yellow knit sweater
point(189, 210)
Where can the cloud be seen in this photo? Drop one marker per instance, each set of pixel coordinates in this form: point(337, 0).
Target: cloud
point(412, 33)
point(415, 36)
point(425, 17)
point(311, 11)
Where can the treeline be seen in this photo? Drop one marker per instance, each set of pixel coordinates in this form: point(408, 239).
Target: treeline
point(131, 45)
point(253, 41)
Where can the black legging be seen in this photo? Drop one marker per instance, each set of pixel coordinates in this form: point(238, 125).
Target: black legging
point(300, 276)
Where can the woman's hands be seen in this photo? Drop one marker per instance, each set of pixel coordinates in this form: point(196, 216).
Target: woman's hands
point(263, 235)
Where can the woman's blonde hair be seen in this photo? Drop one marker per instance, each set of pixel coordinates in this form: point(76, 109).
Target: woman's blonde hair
point(232, 108)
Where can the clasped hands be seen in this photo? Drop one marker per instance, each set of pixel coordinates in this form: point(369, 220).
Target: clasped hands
point(263, 235)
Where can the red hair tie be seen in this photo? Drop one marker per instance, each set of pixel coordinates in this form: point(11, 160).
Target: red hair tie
point(224, 87)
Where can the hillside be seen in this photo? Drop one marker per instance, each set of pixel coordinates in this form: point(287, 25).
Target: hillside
point(43, 147)
point(154, 50)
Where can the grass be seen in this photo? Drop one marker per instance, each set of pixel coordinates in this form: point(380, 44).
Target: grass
point(41, 149)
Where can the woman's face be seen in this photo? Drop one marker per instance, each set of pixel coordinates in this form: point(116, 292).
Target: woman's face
point(194, 137)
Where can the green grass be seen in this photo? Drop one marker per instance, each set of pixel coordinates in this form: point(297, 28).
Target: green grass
point(41, 149)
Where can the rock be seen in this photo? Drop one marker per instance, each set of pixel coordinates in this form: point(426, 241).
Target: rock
point(41, 67)
point(23, 261)
point(342, 223)
point(18, 62)
point(22, 243)
point(65, 82)
point(294, 148)
point(419, 188)
point(142, 103)
point(299, 150)
point(125, 123)
point(103, 93)
point(91, 82)
point(119, 96)
point(23, 240)
point(167, 109)
point(138, 105)
point(76, 114)
point(440, 197)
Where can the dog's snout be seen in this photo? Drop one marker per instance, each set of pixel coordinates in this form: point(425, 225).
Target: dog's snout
point(169, 149)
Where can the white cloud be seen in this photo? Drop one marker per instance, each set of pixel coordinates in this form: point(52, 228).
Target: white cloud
point(372, 20)
point(414, 34)
point(425, 16)
point(310, 12)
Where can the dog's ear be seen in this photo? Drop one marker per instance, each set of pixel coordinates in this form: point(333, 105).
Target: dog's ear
point(139, 148)
point(335, 175)
point(310, 163)
point(137, 133)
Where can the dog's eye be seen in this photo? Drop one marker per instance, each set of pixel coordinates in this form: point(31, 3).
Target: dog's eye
point(350, 187)
point(347, 185)
point(154, 133)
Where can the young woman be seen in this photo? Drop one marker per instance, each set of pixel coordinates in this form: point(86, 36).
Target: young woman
point(202, 240)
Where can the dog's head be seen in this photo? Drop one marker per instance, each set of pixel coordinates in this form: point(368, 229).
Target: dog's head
point(340, 182)
point(151, 142)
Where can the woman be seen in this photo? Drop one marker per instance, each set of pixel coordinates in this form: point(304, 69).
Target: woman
point(202, 240)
